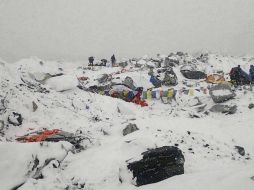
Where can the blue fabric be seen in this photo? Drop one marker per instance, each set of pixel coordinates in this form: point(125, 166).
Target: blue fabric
point(245, 75)
point(130, 95)
point(252, 72)
point(154, 81)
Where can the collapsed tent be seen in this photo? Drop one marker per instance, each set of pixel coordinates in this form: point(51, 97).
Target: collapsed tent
point(53, 135)
point(239, 76)
point(252, 72)
point(191, 72)
point(215, 78)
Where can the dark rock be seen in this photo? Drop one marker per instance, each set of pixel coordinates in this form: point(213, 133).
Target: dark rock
point(240, 150)
point(130, 128)
point(221, 93)
point(158, 164)
point(15, 119)
point(218, 108)
point(251, 105)
point(193, 74)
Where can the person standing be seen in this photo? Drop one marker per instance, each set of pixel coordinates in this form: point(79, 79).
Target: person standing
point(91, 60)
point(113, 60)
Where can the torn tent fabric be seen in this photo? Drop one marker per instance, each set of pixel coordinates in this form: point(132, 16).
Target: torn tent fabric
point(54, 135)
point(215, 78)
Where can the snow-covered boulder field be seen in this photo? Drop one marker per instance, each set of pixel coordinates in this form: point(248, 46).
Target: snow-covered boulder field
point(61, 129)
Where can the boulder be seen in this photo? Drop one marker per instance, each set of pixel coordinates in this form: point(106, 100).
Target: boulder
point(130, 128)
point(193, 74)
point(15, 119)
point(221, 93)
point(157, 164)
point(219, 108)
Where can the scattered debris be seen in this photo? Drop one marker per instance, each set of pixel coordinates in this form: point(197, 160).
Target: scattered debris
point(35, 107)
point(251, 105)
point(15, 119)
point(240, 150)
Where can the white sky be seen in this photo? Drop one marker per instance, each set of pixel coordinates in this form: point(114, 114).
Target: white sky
point(75, 29)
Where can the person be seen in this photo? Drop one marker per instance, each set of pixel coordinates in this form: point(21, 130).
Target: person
point(113, 60)
point(91, 60)
point(251, 73)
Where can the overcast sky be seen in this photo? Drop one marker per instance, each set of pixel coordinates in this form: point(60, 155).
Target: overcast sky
point(75, 29)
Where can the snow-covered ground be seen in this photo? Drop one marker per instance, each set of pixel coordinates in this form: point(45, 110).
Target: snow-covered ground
point(207, 140)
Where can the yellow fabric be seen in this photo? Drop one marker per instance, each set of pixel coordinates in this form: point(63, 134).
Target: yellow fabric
point(170, 93)
point(191, 92)
point(149, 94)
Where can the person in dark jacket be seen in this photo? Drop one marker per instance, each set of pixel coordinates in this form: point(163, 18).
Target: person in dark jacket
point(113, 60)
point(91, 60)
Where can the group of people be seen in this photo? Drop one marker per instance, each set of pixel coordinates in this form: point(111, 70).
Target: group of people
point(103, 61)
point(240, 77)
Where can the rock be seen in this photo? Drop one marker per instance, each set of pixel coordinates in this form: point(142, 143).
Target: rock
point(158, 164)
point(193, 74)
point(1, 125)
point(251, 105)
point(219, 108)
point(35, 107)
point(130, 128)
point(240, 150)
point(221, 93)
point(15, 119)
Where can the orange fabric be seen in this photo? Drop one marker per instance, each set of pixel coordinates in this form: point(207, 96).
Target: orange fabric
point(138, 101)
point(41, 136)
point(215, 78)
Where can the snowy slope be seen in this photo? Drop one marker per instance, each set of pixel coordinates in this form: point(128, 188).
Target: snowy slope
point(61, 105)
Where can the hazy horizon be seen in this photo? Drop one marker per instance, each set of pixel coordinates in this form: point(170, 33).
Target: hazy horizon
point(74, 30)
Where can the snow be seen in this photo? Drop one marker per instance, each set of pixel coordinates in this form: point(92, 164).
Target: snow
point(222, 92)
point(102, 119)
